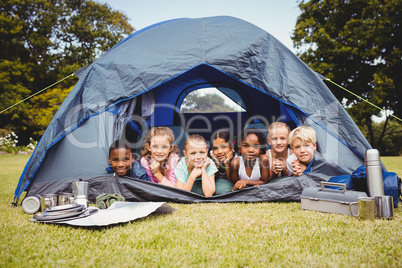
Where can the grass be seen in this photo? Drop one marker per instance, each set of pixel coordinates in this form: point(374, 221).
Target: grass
point(201, 235)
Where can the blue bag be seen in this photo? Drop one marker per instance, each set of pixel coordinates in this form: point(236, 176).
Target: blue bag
point(358, 181)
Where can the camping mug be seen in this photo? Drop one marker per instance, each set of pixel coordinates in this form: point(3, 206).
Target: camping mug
point(366, 208)
point(65, 199)
point(384, 206)
point(48, 200)
point(31, 204)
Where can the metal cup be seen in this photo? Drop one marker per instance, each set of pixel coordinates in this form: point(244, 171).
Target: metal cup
point(384, 206)
point(48, 200)
point(65, 199)
point(366, 208)
point(31, 204)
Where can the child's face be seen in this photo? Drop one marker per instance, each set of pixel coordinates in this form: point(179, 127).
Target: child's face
point(160, 148)
point(121, 159)
point(278, 139)
point(304, 150)
point(220, 148)
point(196, 153)
point(250, 147)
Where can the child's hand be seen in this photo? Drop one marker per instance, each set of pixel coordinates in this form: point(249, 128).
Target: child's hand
point(297, 170)
point(196, 172)
point(229, 157)
point(206, 163)
point(154, 165)
point(241, 184)
point(278, 166)
point(213, 156)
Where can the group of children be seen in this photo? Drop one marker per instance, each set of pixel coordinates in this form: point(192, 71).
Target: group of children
point(229, 164)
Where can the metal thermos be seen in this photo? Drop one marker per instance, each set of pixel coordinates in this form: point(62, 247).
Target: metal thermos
point(375, 183)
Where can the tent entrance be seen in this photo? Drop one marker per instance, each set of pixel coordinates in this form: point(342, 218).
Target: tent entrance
point(257, 108)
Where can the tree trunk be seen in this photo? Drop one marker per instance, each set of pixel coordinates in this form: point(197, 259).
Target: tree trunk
point(382, 134)
point(371, 132)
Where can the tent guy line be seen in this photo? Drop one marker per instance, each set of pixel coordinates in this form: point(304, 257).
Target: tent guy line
point(357, 96)
point(327, 79)
point(40, 91)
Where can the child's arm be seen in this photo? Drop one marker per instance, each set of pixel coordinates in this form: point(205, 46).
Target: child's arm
point(266, 173)
point(208, 182)
point(170, 176)
point(227, 161)
point(155, 166)
point(152, 169)
point(234, 170)
point(241, 184)
point(195, 173)
point(181, 173)
point(145, 164)
point(217, 162)
point(279, 167)
point(298, 168)
point(289, 167)
point(285, 169)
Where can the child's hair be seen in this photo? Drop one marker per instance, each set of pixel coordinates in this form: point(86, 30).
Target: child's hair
point(194, 138)
point(224, 134)
point(117, 144)
point(306, 134)
point(159, 131)
point(277, 125)
point(247, 131)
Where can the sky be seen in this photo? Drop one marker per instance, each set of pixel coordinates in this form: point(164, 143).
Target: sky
point(277, 17)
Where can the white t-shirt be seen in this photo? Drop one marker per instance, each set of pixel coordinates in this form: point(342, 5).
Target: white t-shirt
point(255, 173)
point(289, 161)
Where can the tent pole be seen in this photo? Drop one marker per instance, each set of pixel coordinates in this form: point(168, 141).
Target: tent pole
point(14, 203)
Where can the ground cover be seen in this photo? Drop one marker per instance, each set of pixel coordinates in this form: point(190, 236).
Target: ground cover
point(201, 235)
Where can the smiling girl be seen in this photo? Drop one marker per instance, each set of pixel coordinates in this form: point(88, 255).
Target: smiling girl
point(196, 171)
point(159, 156)
point(252, 166)
point(221, 152)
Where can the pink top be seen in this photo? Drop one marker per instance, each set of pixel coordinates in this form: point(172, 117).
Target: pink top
point(171, 164)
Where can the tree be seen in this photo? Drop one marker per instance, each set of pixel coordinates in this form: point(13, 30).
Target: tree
point(356, 43)
point(392, 138)
point(207, 103)
point(41, 42)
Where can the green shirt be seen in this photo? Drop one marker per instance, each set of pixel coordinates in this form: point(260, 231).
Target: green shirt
point(181, 170)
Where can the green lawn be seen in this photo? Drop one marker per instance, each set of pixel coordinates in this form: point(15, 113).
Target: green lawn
point(201, 235)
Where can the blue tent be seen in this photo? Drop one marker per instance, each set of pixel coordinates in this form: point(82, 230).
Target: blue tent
point(144, 79)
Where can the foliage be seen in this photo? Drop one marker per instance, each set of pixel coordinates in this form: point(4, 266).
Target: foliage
point(392, 138)
point(8, 144)
point(207, 103)
point(42, 42)
point(199, 235)
point(45, 107)
point(358, 44)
